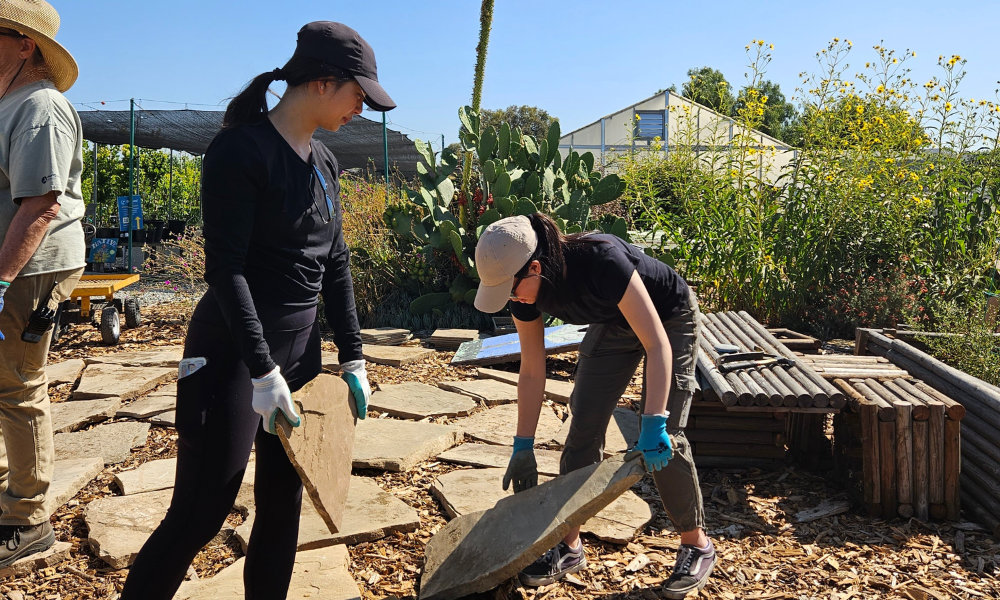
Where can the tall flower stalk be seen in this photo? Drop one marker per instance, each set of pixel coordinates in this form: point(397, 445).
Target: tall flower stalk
point(485, 25)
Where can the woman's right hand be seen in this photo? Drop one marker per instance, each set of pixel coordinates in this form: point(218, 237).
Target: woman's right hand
point(270, 395)
point(522, 469)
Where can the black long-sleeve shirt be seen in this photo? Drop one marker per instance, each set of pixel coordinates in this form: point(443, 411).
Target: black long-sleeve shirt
point(271, 238)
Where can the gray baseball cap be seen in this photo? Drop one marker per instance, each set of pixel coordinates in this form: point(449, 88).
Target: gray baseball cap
point(503, 249)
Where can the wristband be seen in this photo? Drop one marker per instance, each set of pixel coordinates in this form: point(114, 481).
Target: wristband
point(523, 443)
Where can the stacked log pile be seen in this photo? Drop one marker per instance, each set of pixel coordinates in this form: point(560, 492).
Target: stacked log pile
point(767, 387)
point(722, 438)
point(972, 467)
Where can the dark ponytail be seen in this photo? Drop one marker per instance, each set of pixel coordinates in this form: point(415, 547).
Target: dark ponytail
point(250, 105)
point(550, 251)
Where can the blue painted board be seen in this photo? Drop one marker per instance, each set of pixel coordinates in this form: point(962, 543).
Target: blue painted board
point(507, 348)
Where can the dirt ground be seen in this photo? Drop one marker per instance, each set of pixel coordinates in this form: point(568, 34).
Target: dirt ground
point(764, 554)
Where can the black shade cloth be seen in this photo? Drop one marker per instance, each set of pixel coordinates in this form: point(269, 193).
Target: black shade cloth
point(357, 144)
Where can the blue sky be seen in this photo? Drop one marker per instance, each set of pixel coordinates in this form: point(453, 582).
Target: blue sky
point(579, 59)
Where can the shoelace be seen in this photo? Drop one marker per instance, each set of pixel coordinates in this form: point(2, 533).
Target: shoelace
point(684, 560)
point(10, 534)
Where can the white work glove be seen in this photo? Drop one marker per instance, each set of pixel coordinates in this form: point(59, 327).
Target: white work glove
point(271, 394)
point(356, 376)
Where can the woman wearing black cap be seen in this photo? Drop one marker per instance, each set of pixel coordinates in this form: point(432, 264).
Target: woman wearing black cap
point(273, 243)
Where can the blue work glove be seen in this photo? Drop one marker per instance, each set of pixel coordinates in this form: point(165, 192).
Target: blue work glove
point(3, 290)
point(270, 395)
point(356, 376)
point(654, 443)
point(522, 469)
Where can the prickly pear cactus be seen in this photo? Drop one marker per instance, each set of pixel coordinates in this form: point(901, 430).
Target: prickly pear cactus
point(518, 175)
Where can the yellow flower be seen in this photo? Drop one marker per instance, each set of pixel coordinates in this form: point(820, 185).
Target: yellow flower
point(880, 89)
point(914, 54)
point(947, 105)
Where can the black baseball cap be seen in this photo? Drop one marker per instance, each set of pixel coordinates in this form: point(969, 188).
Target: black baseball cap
point(338, 45)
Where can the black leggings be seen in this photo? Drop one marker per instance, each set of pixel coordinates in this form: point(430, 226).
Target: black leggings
point(217, 426)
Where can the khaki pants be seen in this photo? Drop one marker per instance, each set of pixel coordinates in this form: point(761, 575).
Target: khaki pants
point(26, 454)
point(609, 356)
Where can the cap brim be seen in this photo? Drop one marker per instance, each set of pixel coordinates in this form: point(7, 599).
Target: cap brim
point(375, 96)
point(492, 298)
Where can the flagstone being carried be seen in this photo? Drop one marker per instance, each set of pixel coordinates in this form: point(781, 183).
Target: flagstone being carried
point(112, 441)
point(370, 514)
point(68, 478)
point(318, 575)
point(476, 552)
point(471, 490)
point(395, 445)
point(167, 356)
point(157, 402)
point(490, 391)
point(394, 356)
point(556, 391)
point(109, 380)
point(417, 401)
point(67, 371)
point(498, 425)
point(622, 432)
point(148, 477)
point(77, 414)
point(490, 455)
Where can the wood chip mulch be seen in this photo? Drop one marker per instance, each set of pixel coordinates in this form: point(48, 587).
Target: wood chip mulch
point(764, 553)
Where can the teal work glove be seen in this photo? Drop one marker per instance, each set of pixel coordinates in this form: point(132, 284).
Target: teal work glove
point(3, 290)
point(654, 443)
point(356, 376)
point(522, 469)
point(270, 395)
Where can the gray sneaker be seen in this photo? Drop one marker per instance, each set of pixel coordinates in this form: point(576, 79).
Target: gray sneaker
point(691, 571)
point(553, 566)
point(19, 541)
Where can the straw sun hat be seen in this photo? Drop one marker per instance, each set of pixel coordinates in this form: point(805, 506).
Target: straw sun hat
point(40, 22)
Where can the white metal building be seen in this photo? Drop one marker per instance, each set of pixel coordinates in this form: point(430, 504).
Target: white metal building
point(671, 120)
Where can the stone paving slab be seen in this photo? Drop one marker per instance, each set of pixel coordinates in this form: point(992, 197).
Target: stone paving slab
point(490, 455)
point(395, 356)
point(148, 477)
point(418, 401)
point(149, 406)
point(118, 526)
point(471, 490)
point(557, 391)
point(330, 361)
point(489, 391)
point(112, 441)
point(166, 419)
point(59, 552)
point(68, 478)
point(370, 514)
point(168, 356)
point(67, 371)
point(394, 445)
point(318, 575)
point(108, 380)
point(476, 552)
point(498, 425)
point(622, 432)
point(77, 414)
point(320, 448)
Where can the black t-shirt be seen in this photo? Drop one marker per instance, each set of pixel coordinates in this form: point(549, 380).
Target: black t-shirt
point(271, 237)
point(597, 275)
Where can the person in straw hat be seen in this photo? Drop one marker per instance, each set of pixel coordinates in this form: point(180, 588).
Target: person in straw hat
point(637, 308)
point(41, 256)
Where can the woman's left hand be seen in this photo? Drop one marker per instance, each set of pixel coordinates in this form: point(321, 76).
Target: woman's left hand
point(654, 442)
point(356, 376)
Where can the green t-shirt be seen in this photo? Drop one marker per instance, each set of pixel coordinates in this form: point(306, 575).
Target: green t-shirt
point(41, 151)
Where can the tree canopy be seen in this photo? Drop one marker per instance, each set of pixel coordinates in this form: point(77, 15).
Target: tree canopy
point(780, 116)
point(708, 87)
point(530, 119)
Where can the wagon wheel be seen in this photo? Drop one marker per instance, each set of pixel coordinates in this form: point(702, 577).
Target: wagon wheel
point(95, 313)
point(111, 329)
point(132, 317)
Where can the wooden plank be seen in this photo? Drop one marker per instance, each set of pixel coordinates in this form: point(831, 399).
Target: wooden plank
point(921, 502)
point(736, 424)
point(729, 436)
point(935, 460)
point(887, 467)
point(871, 482)
point(747, 450)
point(904, 460)
point(952, 468)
